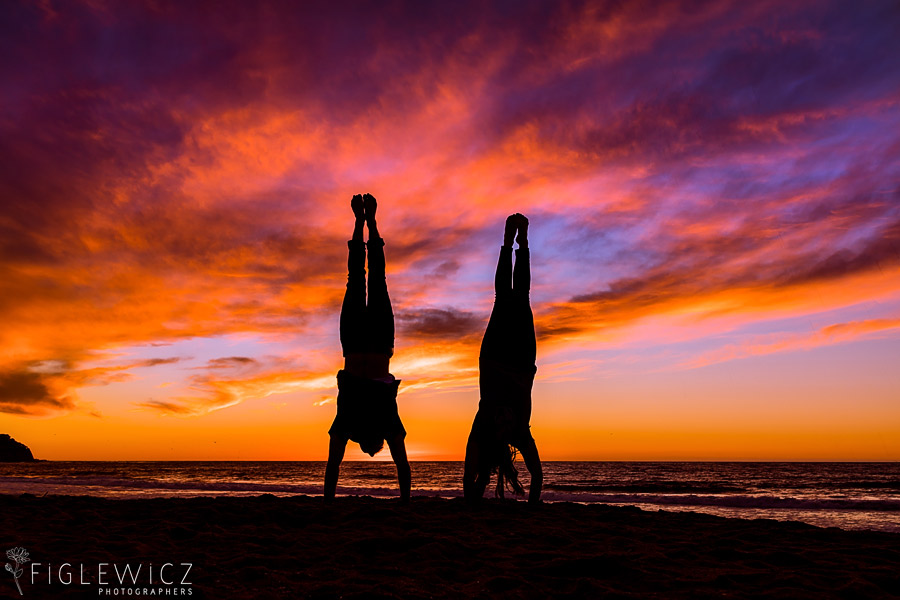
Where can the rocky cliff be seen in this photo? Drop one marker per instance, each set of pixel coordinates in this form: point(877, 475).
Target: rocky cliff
point(13, 451)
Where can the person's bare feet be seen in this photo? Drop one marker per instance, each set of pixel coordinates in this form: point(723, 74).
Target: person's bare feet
point(522, 237)
point(356, 203)
point(509, 234)
point(371, 206)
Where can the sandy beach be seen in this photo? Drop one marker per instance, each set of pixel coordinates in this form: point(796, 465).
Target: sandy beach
point(266, 546)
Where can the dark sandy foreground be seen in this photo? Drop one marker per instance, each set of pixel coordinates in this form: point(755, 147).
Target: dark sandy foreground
point(267, 547)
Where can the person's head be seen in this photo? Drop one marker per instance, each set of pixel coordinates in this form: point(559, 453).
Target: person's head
point(371, 446)
point(496, 455)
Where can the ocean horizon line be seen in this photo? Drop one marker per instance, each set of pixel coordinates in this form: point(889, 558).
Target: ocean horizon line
point(379, 460)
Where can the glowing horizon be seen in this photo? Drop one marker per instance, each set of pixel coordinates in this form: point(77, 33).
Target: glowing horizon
point(713, 195)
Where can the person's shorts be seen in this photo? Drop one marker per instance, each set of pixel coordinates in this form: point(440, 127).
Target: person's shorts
point(367, 412)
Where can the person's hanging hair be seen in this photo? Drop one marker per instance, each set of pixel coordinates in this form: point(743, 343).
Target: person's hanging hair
point(507, 474)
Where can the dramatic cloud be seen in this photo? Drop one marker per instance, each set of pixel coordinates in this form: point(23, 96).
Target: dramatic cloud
point(227, 381)
point(26, 393)
point(230, 362)
point(173, 173)
point(832, 334)
point(42, 387)
point(438, 323)
point(166, 407)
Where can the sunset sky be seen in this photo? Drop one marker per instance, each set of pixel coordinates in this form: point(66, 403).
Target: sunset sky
point(713, 190)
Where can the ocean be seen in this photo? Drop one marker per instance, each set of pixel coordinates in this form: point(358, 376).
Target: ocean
point(845, 495)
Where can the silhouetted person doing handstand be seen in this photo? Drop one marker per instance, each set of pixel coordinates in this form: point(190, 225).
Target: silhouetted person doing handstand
point(507, 369)
point(367, 392)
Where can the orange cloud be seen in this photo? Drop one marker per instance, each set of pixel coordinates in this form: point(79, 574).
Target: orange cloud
point(832, 334)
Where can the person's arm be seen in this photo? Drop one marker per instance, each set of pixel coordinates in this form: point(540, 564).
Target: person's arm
point(336, 447)
point(533, 463)
point(404, 476)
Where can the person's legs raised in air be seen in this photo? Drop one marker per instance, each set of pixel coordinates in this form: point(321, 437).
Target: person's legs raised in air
point(495, 343)
point(353, 309)
point(524, 350)
point(380, 313)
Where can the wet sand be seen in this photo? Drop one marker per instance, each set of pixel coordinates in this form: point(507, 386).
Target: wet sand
point(298, 547)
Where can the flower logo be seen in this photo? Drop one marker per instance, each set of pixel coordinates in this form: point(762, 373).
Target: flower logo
point(19, 556)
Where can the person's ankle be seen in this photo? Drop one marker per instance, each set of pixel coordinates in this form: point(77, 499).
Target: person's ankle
point(509, 231)
point(358, 207)
point(521, 230)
